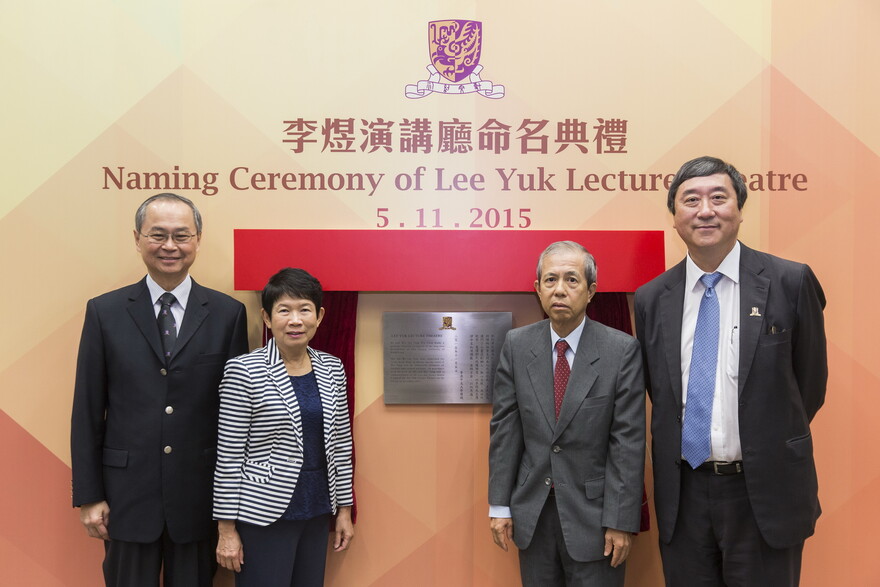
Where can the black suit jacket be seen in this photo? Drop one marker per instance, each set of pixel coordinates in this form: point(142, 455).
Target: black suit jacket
point(782, 376)
point(143, 433)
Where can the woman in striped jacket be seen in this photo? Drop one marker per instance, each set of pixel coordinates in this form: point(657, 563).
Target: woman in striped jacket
point(284, 447)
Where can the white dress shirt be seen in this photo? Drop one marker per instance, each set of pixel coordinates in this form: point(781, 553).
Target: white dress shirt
point(573, 338)
point(181, 293)
point(725, 444)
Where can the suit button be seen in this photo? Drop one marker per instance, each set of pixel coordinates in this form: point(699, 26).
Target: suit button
point(167, 450)
point(169, 410)
point(678, 418)
point(548, 481)
point(556, 448)
point(163, 372)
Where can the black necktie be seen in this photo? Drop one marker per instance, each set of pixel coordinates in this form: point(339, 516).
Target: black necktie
point(167, 326)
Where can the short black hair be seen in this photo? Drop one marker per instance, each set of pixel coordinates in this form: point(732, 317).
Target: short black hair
point(703, 167)
point(296, 283)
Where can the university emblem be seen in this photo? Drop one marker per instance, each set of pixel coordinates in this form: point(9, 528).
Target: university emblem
point(447, 324)
point(454, 47)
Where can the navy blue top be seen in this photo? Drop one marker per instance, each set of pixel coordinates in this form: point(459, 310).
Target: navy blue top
point(311, 498)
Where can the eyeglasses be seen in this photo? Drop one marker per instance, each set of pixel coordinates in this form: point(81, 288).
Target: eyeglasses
point(160, 238)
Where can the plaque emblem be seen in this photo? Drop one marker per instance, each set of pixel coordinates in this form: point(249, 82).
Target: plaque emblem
point(454, 47)
point(447, 324)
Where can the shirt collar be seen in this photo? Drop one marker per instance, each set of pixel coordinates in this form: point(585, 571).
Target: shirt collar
point(729, 267)
point(181, 292)
point(573, 338)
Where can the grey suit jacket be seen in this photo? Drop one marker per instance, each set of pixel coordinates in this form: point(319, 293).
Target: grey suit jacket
point(144, 432)
point(782, 375)
point(593, 456)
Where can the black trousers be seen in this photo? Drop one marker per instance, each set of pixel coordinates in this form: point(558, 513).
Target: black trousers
point(717, 541)
point(546, 562)
point(285, 553)
point(136, 564)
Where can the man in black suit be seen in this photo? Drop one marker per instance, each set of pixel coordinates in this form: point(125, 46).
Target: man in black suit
point(735, 361)
point(144, 423)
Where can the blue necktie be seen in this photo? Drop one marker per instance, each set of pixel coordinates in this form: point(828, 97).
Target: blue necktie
point(695, 434)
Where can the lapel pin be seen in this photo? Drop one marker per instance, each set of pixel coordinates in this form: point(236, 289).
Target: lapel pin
point(755, 312)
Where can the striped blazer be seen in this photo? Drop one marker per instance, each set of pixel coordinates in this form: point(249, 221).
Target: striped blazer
point(260, 445)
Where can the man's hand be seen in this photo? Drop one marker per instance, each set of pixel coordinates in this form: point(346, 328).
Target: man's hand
point(502, 531)
point(344, 529)
point(617, 544)
point(95, 517)
point(230, 553)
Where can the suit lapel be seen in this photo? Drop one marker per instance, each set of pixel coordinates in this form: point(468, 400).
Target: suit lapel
point(195, 314)
point(583, 376)
point(671, 308)
point(540, 370)
point(140, 307)
point(281, 381)
point(753, 293)
point(327, 390)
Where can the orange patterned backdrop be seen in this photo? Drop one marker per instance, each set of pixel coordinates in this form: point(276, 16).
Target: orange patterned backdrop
point(778, 86)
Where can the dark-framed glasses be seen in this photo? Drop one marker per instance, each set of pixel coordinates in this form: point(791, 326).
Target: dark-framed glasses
point(159, 238)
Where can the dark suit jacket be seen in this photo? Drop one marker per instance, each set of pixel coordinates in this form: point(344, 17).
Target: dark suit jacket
point(782, 380)
point(594, 455)
point(143, 434)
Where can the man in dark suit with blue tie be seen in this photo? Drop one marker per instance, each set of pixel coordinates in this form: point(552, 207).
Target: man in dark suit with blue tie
point(144, 422)
point(735, 360)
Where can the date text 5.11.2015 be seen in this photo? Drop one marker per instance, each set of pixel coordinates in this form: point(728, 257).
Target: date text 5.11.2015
point(475, 218)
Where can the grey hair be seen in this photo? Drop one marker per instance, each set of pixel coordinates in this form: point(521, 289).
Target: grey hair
point(590, 271)
point(141, 213)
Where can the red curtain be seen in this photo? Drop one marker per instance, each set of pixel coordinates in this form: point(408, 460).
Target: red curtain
point(612, 309)
point(335, 335)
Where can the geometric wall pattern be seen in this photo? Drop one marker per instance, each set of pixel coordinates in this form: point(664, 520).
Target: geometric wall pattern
point(782, 86)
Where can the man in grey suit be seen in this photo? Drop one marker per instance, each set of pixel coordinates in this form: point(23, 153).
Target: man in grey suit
point(734, 348)
point(145, 407)
point(567, 444)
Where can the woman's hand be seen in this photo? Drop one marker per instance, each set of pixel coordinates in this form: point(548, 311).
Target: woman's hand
point(344, 529)
point(230, 553)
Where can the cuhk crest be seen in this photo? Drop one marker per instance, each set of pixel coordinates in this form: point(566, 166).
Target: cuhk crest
point(455, 47)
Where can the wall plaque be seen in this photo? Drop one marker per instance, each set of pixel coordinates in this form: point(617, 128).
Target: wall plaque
point(442, 357)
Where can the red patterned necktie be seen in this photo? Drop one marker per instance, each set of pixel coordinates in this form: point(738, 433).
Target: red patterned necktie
point(560, 376)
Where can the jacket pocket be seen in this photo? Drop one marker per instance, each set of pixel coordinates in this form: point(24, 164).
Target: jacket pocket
point(594, 488)
point(257, 472)
point(800, 448)
point(211, 359)
point(593, 401)
point(114, 457)
point(783, 337)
